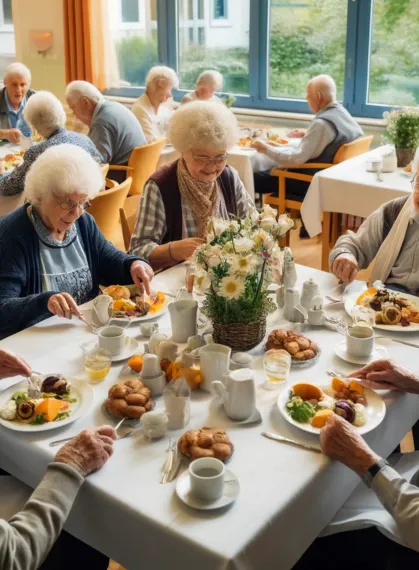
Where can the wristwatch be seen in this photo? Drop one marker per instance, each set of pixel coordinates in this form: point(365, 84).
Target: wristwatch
point(369, 475)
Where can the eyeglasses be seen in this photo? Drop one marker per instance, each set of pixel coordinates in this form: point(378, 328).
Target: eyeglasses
point(205, 160)
point(68, 204)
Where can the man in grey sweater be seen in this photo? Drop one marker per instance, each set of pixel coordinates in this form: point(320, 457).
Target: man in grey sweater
point(113, 129)
point(27, 538)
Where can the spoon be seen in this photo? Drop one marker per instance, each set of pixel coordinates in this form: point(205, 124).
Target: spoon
point(121, 432)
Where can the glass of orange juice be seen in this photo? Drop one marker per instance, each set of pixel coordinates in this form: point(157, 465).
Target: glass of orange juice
point(97, 363)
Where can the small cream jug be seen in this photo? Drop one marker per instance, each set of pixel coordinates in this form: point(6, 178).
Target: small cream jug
point(101, 310)
point(237, 392)
point(183, 319)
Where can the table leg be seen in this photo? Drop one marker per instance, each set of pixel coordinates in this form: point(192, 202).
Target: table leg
point(325, 240)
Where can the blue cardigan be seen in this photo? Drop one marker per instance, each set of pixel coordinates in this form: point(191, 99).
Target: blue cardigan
point(22, 302)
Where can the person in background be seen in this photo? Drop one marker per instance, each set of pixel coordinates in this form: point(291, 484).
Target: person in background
point(111, 127)
point(369, 548)
point(207, 84)
point(180, 197)
point(13, 98)
point(45, 113)
point(27, 538)
point(151, 109)
point(53, 255)
point(331, 127)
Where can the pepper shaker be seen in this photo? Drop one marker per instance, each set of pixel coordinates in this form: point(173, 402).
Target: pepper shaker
point(310, 291)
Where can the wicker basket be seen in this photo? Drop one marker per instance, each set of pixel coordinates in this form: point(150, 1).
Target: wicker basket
point(239, 336)
point(404, 156)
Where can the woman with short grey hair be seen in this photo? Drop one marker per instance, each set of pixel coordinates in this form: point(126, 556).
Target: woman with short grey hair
point(13, 98)
point(206, 85)
point(45, 114)
point(53, 255)
point(179, 198)
point(151, 109)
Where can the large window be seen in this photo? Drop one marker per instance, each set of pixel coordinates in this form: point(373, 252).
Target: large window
point(201, 45)
point(268, 50)
point(7, 38)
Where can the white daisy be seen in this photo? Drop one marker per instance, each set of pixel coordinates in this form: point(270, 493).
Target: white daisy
point(231, 287)
point(234, 225)
point(261, 238)
point(242, 264)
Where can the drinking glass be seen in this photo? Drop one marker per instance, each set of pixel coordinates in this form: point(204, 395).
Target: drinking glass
point(97, 363)
point(277, 365)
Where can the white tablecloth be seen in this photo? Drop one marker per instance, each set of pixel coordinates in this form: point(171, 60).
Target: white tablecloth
point(9, 203)
point(287, 496)
point(238, 158)
point(348, 188)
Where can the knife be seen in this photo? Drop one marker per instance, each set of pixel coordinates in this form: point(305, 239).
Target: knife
point(277, 437)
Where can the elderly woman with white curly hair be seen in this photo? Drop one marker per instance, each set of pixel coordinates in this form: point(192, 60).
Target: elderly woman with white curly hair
point(151, 109)
point(46, 115)
point(53, 255)
point(180, 197)
point(206, 85)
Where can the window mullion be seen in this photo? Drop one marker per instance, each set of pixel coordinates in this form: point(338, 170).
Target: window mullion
point(363, 42)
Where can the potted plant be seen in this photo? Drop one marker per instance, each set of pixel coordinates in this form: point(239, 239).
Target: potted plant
point(403, 131)
point(238, 262)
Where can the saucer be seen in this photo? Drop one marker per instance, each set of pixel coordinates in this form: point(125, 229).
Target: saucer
point(230, 493)
point(378, 353)
point(132, 346)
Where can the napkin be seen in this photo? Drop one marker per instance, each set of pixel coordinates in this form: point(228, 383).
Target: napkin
point(176, 397)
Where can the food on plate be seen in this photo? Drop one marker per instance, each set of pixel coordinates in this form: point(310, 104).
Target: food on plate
point(307, 403)
point(10, 161)
point(277, 138)
point(53, 404)
point(245, 142)
point(390, 308)
point(408, 168)
point(206, 442)
point(298, 346)
point(129, 303)
point(129, 399)
point(136, 363)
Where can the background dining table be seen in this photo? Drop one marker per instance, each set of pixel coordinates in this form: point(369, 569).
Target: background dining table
point(287, 494)
point(9, 203)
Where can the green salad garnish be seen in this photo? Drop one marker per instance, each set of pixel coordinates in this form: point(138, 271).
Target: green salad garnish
point(38, 420)
point(62, 416)
point(299, 410)
point(20, 397)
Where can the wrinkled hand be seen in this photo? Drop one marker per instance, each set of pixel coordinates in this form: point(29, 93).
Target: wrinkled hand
point(259, 146)
point(185, 248)
point(88, 451)
point(142, 274)
point(12, 135)
point(340, 440)
point(345, 267)
point(12, 365)
point(63, 305)
point(387, 375)
point(296, 134)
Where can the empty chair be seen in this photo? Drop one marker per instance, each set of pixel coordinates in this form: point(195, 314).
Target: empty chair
point(105, 208)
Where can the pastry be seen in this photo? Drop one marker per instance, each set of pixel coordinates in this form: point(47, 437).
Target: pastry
point(118, 292)
point(130, 399)
point(206, 442)
point(298, 346)
point(391, 315)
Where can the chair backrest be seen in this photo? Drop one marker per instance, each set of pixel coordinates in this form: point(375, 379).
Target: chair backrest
point(143, 161)
point(105, 208)
point(127, 225)
point(354, 148)
point(105, 169)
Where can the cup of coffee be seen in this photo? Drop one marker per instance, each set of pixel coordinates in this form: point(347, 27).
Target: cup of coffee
point(112, 338)
point(207, 478)
point(360, 340)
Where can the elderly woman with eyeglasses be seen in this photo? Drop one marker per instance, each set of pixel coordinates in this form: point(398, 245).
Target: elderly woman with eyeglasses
point(179, 198)
point(390, 236)
point(52, 254)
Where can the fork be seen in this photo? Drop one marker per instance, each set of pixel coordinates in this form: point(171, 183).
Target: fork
point(120, 433)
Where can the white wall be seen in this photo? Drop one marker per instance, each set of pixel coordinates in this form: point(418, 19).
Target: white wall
point(48, 72)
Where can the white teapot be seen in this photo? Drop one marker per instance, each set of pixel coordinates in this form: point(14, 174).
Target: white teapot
point(237, 392)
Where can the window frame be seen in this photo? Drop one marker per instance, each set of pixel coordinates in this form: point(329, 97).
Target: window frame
point(358, 41)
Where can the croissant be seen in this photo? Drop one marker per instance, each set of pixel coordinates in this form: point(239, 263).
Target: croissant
point(130, 399)
point(118, 292)
point(206, 442)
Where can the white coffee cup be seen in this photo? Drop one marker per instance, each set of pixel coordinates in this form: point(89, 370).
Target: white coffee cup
point(360, 340)
point(112, 338)
point(207, 478)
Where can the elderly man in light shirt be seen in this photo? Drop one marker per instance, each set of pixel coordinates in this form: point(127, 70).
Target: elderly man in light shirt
point(13, 98)
point(111, 125)
point(331, 127)
point(364, 546)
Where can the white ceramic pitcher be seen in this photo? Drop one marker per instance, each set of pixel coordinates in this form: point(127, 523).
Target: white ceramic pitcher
point(183, 319)
point(101, 309)
point(215, 363)
point(238, 393)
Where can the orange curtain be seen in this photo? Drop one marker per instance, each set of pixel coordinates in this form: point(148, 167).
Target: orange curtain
point(84, 36)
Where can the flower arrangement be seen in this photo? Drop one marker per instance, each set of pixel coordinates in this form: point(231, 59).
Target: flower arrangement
point(238, 262)
point(403, 129)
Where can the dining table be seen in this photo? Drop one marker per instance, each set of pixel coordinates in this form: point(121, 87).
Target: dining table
point(288, 494)
point(9, 203)
point(349, 188)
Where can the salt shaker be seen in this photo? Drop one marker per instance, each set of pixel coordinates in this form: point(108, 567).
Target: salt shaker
point(316, 315)
point(310, 290)
point(292, 298)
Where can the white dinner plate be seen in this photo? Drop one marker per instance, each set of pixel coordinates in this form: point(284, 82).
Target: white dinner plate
point(230, 493)
point(376, 410)
point(350, 303)
point(378, 353)
point(79, 389)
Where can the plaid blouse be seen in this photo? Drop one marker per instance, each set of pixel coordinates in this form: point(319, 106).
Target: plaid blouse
point(150, 226)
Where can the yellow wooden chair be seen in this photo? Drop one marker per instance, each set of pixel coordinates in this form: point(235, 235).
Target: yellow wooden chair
point(344, 152)
point(128, 215)
point(141, 164)
point(105, 208)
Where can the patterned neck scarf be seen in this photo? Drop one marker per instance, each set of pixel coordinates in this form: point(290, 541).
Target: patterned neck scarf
point(44, 233)
point(203, 198)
